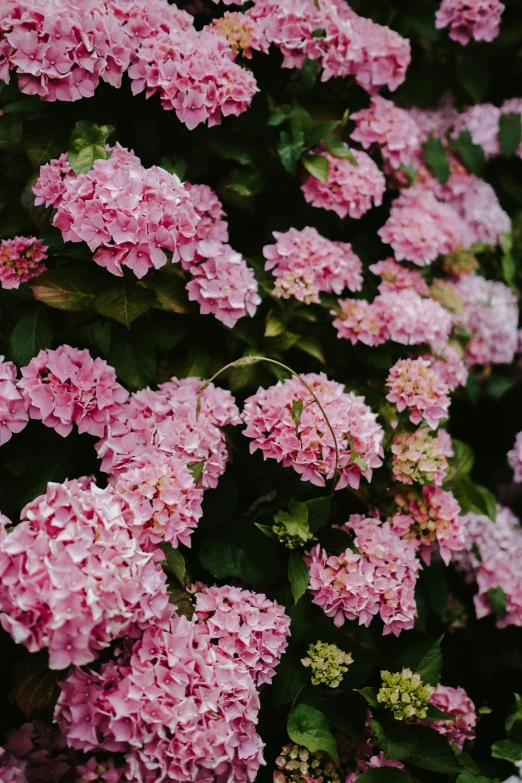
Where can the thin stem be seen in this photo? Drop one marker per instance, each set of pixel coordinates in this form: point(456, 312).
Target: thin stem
point(253, 360)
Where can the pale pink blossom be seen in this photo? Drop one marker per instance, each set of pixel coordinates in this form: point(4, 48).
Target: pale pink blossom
point(477, 204)
point(419, 457)
point(67, 386)
point(306, 264)
point(360, 321)
point(73, 578)
point(514, 458)
point(379, 577)
point(448, 362)
point(456, 703)
point(308, 446)
point(172, 704)
point(384, 55)
point(478, 19)
point(212, 224)
point(391, 128)
point(481, 121)
point(246, 626)
point(417, 388)
point(52, 181)
point(352, 189)
point(243, 33)
point(21, 259)
point(13, 415)
point(397, 277)
point(372, 761)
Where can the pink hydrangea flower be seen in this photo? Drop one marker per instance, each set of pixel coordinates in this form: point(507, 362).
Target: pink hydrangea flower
point(420, 227)
point(492, 559)
point(477, 204)
point(384, 55)
point(436, 121)
point(491, 314)
point(222, 283)
point(450, 366)
point(397, 277)
point(417, 388)
point(171, 703)
point(243, 33)
point(374, 761)
point(13, 415)
point(305, 264)
point(454, 702)
point(391, 128)
point(176, 420)
point(478, 19)
point(166, 504)
point(21, 259)
point(96, 771)
point(131, 216)
point(195, 75)
point(67, 386)
point(246, 627)
point(351, 189)
point(212, 224)
point(419, 457)
point(435, 519)
point(378, 578)
point(73, 578)
point(360, 321)
point(308, 447)
point(481, 121)
point(514, 458)
point(36, 753)
point(52, 181)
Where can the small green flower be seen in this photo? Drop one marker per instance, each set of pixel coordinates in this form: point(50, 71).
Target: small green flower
point(290, 541)
point(404, 694)
point(297, 764)
point(328, 664)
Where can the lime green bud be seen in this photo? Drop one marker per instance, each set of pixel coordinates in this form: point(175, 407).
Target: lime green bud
point(290, 541)
point(313, 766)
point(328, 664)
point(404, 694)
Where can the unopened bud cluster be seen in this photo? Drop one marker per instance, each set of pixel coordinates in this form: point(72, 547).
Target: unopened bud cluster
point(296, 765)
point(289, 540)
point(404, 694)
point(328, 664)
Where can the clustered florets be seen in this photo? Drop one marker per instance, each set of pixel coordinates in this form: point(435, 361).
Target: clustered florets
point(21, 259)
point(327, 663)
point(297, 765)
point(404, 694)
point(419, 456)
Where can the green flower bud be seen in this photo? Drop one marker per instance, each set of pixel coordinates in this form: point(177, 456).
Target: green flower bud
point(313, 766)
point(289, 541)
point(404, 694)
point(328, 664)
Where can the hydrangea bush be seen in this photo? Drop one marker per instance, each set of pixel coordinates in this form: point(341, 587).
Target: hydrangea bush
point(260, 391)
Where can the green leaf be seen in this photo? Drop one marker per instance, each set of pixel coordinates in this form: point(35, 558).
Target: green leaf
point(410, 173)
point(281, 114)
point(308, 74)
point(290, 148)
point(66, 288)
point(474, 77)
point(312, 347)
point(291, 677)
point(469, 777)
point(463, 457)
point(266, 530)
point(134, 359)
point(246, 183)
point(297, 574)
point(34, 687)
point(369, 695)
point(318, 132)
point(30, 335)
point(339, 149)
point(317, 166)
point(297, 412)
point(436, 158)
point(432, 751)
point(196, 469)
point(124, 302)
point(473, 497)
point(318, 513)
point(239, 551)
point(102, 336)
point(507, 750)
point(509, 133)
point(514, 721)
point(87, 144)
point(472, 155)
point(308, 727)
point(394, 741)
point(435, 714)
point(424, 658)
point(498, 601)
point(41, 149)
point(295, 520)
point(384, 775)
point(274, 327)
point(11, 132)
point(175, 562)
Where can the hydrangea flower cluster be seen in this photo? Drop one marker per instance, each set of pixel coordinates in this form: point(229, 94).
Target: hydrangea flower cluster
point(493, 551)
point(176, 419)
point(450, 366)
point(242, 32)
point(327, 663)
point(378, 578)
point(514, 458)
point(416, 387)
point(492, 319)
point(434, 519)
point(402, 316)
point(166, 504)
point(308, 446)
point(36, 753)
point(172, 703)
point(352, 188)
point(456, 703)
point(13, 414)
point(297, 765)
point(130, 215)
point(419, 456)
point(397, 277)
point(194, 74)
point(391, 128)
point(21, 259)
point(246, 627)
point(72, 577)
point(404, 694)
point(67, 386)
point(51, 185)
point(478, 19)
point(369, 762)
point(305, 264)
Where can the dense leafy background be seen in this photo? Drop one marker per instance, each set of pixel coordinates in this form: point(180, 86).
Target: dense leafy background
point(150, 332)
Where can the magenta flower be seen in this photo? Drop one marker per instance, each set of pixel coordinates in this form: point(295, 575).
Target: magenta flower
point(21, 259)
point(478, 19)
point(13, 415)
